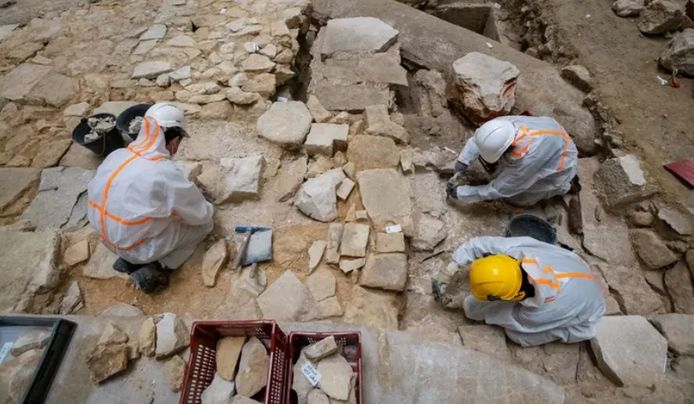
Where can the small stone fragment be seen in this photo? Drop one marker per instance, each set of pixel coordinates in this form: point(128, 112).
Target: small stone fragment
point(348, 265)
point(332, 250)
point(651, 249)
point(578, 76)
point(219, 391)
point(324, 138)
point(321, 349)
point(336, 376)
point(76, 253)
point(286, 299)
point(316, 197)
point(241, 179)
point(237, 96)
point(256, 63)
point(172, 335)
point(106, 361)
point(628, 8)
point(678, 329)
point(318, 112)
point(321, 284)
point(379, 124)
point(214, 259)
point(679, 287)
point(429, 232)
point(285, 122)
point(147, 337)
point(252, 375)
point(112, 335)
point(150, 69)
point(677, 221)
point(315, 253)
point(175, 368)
point(228, 351)
point(34, 339)
point(344, 189)
point(680, 53)
point(316, 396)
point(355, 237)
point(390, 242)
point(661, 16)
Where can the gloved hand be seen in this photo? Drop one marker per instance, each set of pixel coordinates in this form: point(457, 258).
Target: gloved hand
point(451, 188)
point(207, 195)
point(443, 280)
point(460, 168)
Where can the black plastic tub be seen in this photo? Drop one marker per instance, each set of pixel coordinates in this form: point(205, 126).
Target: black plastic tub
point(526, 225)
point(53, 352)
point(102, 146)
point(124, 119)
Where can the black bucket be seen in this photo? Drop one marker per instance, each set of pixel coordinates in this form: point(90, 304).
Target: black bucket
point(123, 120)
point(531, 226)
point(102, 146)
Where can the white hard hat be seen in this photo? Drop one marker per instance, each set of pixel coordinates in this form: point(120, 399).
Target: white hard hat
point(494, 138)
point(166, 115)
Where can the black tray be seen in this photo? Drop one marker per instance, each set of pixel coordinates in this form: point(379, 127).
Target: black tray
point(52, 356)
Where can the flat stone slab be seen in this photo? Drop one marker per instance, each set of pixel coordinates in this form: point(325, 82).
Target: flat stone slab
point(14, 182)
point(151, 69)
point(354, 97)
point(367, 151)
point(16, 84)
point(385, 194)
point(360, 34)
point(385, 271)
point(679, 331)
point(629, 350)
point(286, 123)
point(286, 299)
point(28, 261)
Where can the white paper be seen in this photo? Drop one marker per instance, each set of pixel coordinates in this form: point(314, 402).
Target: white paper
point(311, 373)
point(396, 228)
point(5, 350)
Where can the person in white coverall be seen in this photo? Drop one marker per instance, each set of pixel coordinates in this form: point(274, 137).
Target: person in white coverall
point(534, 159)
point(143, 207)
point(536, 291)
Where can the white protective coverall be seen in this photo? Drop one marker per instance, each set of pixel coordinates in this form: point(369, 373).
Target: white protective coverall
point(143, 207)
point(567, 304)
point(541, 164)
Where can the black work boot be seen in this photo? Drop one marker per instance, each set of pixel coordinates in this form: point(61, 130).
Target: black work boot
point(150, 277)
point(125, 267)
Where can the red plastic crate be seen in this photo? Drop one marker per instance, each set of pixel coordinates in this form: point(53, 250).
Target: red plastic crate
point(203, 345)
point(350, 343)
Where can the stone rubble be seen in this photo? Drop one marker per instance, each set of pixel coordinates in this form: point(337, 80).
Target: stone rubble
point(680, 53)
point(316, 197)
point(171, 335)
point(318, 112)
point(253, 365)
point(321, 349)
point(147, 337)
point(332, 250)
point(344, 189)
point(380, 124)
point(349, 265)
point(660, 17)
point(214, 259)
point(106, 361)
point(485, 86)
point(429, 232)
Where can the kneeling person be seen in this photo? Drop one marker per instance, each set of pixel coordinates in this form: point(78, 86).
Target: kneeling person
point(536, 291)
point(143, 207)
point(531, 159)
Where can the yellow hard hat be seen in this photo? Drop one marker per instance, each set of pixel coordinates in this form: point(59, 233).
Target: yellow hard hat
point(496, 277)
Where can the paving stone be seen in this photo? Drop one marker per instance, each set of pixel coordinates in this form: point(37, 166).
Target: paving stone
point(367, 151)
point(622, 181)
point(390, 242)
point(321, 284)
point(286, 299)
point(360, 34)
point(631, 289)
point(332, 250)
point(385, 194)
point(106, 361)
point(661, 16)
point(147, 337)
point(385, 271)
point(372, 308)
point(318, 112)
point(172, 335)
point(100, 265)
point(578, 76)
point(379, 68)
point(253, 368)
point(215, 258)
point(19, 82)
point(241, 178)
point(336, 375)
point(429, 232)
point(678, 329)
point(629, 351)
point(151, 69)
point(324, 138)
point(228, 352)
point(315, 254)
point(485, 86)
point(628, 8)
point(680, 53)
point(678, 282)
point(680, 222)
point(379, 123)
point(28, 264)
point(651, 249)
point(219, 391)
point(316, 197)
point(355, 238)
point(286, 123)
point(344, 189)
point(485, 338)
point(15, 182)
point(354, 97)
point(156, 31)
